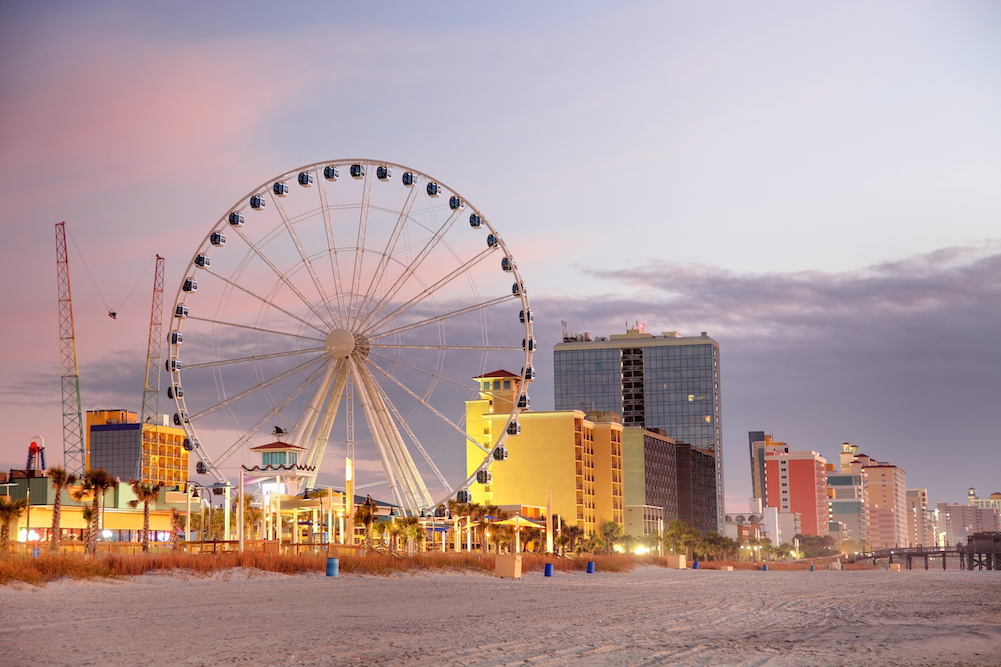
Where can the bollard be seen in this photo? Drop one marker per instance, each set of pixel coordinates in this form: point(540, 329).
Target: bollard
point(764, 568)
point(333, 567)
point(695, 564)
point(590, 567)
point(549, 569)
point(813, 569)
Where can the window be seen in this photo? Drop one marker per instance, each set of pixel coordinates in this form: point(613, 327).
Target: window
point(496, 384)
point(507, 384)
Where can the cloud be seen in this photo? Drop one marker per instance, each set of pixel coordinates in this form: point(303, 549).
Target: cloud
point(900, 357)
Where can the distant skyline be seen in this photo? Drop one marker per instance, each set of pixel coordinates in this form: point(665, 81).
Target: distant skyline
point(814, 185)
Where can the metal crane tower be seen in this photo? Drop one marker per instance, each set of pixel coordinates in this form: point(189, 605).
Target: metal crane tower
point(151, 390)
point(149, 413)
point(74, 457)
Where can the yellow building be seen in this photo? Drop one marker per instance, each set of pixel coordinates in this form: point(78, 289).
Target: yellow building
point(578, 460)
point(113, 443)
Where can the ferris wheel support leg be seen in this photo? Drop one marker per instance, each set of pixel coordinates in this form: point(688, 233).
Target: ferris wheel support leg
point(406, 461)
point(377, 435)
point(312, 413)
point(315, 454)
point(415, 489)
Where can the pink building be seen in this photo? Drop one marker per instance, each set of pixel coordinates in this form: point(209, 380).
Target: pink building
point(797, 482)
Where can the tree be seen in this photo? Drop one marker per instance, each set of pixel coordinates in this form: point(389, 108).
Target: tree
point(367, 513)
point(95, 483)
point(575, 534)
point(691, 540)
point(145, 494)
point(59, 479)
point(675, 534)
point(411, 530)
point(10, 510)
point(610, 532)
point(562, 541)
point(175, 529)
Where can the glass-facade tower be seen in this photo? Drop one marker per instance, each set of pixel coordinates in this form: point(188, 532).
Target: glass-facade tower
point(668, 382)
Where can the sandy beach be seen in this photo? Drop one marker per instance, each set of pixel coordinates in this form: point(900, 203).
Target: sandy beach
point(651, 616)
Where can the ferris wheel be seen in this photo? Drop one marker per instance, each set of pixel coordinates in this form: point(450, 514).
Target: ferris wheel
point(343, 285)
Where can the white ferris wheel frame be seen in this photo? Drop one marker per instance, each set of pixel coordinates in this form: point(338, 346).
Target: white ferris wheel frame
point(349, 309)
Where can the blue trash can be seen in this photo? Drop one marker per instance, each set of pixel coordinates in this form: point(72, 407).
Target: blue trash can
point(813, 569)
point(590, 567)
point(695, 564)
point(333, 567)
point(764, 568)
point(549, 569)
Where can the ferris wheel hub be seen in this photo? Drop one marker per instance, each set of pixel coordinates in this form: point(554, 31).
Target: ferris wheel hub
point(340, 343)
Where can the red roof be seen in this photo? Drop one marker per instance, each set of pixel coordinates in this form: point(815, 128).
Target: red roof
point(497, 374)
point(276, 445)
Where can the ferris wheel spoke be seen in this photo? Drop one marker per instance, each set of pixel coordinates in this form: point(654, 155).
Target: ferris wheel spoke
point(443, 317)
point(427, 405)
point(328, 227)
point(272, 413)
point(263, 300)
point(429, 291)
point(282, 277)
point(305, 258)
point(256, 388)
point(366, 198)
point(413, 438)
point(387, 254)
point(412, 267)
point(421, 370)
point(446, 347)
point(252, 328)
point(256, 357)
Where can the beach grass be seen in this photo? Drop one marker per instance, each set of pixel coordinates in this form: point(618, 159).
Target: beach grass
point(16, 568)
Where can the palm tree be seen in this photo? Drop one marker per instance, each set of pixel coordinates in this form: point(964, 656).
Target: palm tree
point(691, 540)
point(562, 541)
point(175, 529)
point(96, 483)
point(251, 515)
point(610, 532)
point(145, 494)
point(367, 513)
point(675, 533)
point(10, 510)
point(395, 529)
point(411, 530)
point(59, 479)
point(574, 534)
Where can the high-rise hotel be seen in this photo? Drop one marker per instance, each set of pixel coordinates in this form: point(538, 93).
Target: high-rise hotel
point(668, 382)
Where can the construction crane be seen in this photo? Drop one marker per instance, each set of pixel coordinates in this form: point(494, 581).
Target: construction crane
point(150, 410)
point(74, 457)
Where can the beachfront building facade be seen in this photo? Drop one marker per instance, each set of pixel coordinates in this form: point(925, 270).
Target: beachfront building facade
point(154, 453)
point(848, 505)
point(886, 490)
point(975, 500)
point(650, 461)
point(796, 481)
point(960, 521)
point(918, 530)
point(555, 451)
point(668, 382)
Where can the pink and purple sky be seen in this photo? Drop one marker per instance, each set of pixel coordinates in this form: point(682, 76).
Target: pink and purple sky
point(816, 185)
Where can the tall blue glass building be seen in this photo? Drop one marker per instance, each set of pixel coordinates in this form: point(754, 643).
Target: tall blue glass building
point(669, 382)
